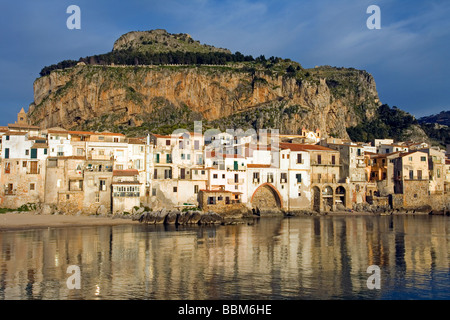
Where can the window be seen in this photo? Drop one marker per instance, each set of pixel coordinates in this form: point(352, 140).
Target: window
point(168, 174)
point(423, 158)
point(215, 176)
point(32, 186)
point(119, 167)
point(24, 164)
point(410, 158)
point(116, 139)
point(411, 174)
point(101, 138)
point(299, 158)
point(195, 188)
point(270, 177)
point(153, 191)
point(7, 138)
point(6, 153)
point(196, 145)
point(319, 159)
point(255, 176)
point(438, 173)
point(97, 197)
point(419, 174)
point(298, 176)
point(333, 159)
point(223, 176)
point(27, 152)
point(211, 200)
point(67, 196)
point(101, 152)
point(102, 185)
point(137, 164)
point(168, 158)
point(33, 167)
point(283, 177)
point(175, 189)
point(167, 142)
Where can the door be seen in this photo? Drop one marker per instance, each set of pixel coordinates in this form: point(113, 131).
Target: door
point(183, 173)
point(33, 153)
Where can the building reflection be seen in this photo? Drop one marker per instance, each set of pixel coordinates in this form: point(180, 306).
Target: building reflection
point(296, 258)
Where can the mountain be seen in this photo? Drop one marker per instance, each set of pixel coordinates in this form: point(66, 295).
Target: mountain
point(153, 81)
point(160, 40)
point(442, 118)
point(437, 127)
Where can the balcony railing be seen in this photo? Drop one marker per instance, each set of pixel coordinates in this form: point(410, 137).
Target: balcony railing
point(233, 181)
point(323, 180)
point(323, 163)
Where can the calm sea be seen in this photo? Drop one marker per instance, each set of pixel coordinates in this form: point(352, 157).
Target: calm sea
point(268, 258)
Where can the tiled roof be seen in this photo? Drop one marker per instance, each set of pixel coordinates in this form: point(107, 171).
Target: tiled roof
point(255, 165)
point(304, 147)
point(125, 173)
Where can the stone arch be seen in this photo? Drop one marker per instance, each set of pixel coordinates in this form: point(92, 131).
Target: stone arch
point(266, 196)
point(328, 198)
point(341, 194)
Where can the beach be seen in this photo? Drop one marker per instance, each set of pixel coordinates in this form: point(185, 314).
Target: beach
point(18, 221)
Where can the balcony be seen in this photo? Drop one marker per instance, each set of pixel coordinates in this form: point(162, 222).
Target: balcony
point(234, 181)
point(323, 163)
point(323, 180)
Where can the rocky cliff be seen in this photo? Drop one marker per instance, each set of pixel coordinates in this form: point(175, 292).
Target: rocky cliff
point(138, 99)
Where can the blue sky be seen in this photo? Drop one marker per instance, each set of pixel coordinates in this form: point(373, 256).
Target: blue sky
point(408, 56)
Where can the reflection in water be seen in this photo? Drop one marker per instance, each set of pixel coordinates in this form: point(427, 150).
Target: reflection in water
point(295, 258)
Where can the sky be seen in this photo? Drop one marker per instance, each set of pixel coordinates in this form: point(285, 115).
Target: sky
point(408, 56)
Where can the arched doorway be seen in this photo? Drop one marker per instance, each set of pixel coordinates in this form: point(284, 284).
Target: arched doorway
point(316, 199)
point(340, 197)
point(327, 196)
point(266, 198)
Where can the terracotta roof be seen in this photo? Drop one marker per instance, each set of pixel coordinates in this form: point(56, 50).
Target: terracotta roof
point(303, 147)
point(13, 125)
point(125, 173)
point(161, 136)
point(37, 138)
point(15, 133)
point(404, 154)
point(70, 158)
point(136, 140)
point(39, 146)
point(96, 133)
point(126, 182)
point(254, 165)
